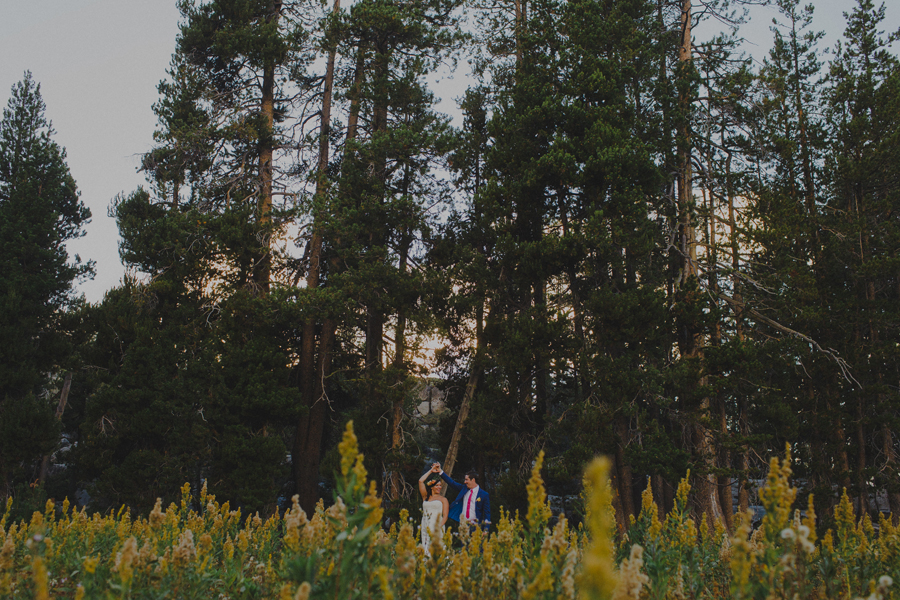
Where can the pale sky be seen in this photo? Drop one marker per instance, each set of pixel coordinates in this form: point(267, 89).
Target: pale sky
point(99, 61)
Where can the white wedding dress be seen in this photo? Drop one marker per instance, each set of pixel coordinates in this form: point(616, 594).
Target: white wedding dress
point(432, 515)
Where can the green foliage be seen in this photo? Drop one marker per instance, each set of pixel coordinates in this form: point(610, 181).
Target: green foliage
point(40, 211)
point(188, 396)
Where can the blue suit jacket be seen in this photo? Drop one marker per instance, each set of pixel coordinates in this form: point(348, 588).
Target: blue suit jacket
point(482, 502)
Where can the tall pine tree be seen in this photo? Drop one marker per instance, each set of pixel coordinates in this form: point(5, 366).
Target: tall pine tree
point(40, 210)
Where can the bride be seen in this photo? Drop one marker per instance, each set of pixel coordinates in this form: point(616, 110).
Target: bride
point(435, 507)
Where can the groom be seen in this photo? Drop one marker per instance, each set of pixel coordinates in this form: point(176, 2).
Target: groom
point(472, 504)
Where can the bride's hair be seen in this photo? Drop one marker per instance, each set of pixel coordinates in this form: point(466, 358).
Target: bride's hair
point(429, 486)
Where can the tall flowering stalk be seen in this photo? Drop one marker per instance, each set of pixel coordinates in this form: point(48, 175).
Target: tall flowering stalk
point(598, 578)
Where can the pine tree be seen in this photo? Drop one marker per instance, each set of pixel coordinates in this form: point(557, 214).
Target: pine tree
point(187, 386)
point(861, 242)
point(40, 210)
point(786, 232)
point(214, 322)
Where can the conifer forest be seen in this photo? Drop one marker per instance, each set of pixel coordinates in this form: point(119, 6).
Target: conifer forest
point(637, 243)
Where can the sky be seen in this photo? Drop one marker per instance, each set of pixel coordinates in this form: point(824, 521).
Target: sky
point(99, 61)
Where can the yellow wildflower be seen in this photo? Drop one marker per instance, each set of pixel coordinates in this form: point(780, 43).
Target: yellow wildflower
point(7, 511)
point(184, 551)
point(37, 520)
point(543, 582)
point(631, 580)
point(7, 551)
point(777, 496)
point(381, 574)
point(303, 591)
point(285, 592)
point(292, 521)
point(157, 516)
point(373, 502)
point(650, 512)
point(681, 495)
point(568, 574)
point(538, 507)
point(90, 564)
point(125, 559)
point(598, 575)
point(50, 511)
point(185, 498)
point(348, 449)
point(41, 587)
point(844, 517)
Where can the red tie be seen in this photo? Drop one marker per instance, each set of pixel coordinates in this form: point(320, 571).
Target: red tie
point(469, 506)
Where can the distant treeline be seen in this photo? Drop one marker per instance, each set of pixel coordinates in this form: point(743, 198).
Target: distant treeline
point(635, 244)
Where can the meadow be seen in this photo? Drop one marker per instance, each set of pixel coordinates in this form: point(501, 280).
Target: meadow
point(343, 552)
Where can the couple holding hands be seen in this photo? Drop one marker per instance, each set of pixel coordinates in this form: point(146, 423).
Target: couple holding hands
point(471, 507)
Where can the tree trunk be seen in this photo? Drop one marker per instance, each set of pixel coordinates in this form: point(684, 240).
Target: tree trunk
point(263, 267)
point(378, 165)
point(621, 522)
point(890, 461)
point(861, 462)
point(399, 367)
point(308, 435)
point(60, 408)
point(842, 460)
point(744, 492)
point(706, 484)
point(623, 470)
point(453, 449)
point(521, 16)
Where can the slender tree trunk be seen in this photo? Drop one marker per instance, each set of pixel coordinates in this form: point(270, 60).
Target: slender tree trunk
point(399, 364)
point(621, 523)
point(891, 465)
point(374, 308)
point(744, 492)
point(582, 379)
point(541, 359)
point(659, 495)
point(744, 408)
point(704, 483)
point(624, 473)
point(60, 408)
point(263, 267)
point(861, 460)
point(685, 168)
point(307, 445)
point(521, 16)
point(842, 460)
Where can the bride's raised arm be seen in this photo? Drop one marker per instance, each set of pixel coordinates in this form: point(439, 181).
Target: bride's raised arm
point(422, 489)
